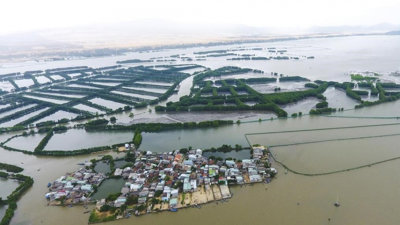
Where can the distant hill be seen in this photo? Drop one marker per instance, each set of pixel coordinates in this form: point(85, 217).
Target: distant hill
point(395, 32)
point(377, 28)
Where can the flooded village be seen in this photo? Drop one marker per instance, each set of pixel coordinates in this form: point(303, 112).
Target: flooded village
point(161, 181)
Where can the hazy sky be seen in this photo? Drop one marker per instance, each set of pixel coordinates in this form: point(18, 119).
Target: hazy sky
point(26, 15)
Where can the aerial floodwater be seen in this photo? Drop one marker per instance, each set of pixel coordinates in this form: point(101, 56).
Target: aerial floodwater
point(326, 109)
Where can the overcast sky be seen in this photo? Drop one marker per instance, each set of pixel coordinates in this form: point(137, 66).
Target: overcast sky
point(27, 15)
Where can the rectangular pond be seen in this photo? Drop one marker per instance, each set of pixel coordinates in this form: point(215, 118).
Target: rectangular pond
point(109, 186)
point(107, 84)
point(107, 103)
point(337, 155)
point(7, 113)
point(57, 77)
point(22, 118)
point(268, 88)
point(241, 76)
point(88, 109)
point(4, 106)
point(102, 167)
point(3, 209)
point(7, 186)
point(57, 116)
point(82, 86)
point(63, 95)
point(82, 139)
point(155, 90)
point(27, 143)
point(155, 83)
point(242, 154)
point(337, 98)
point(43, 80)
point(51, 100)
point(304, 106)
point(146, 97)
point(6, 86)
point(24, 83)
point(73, 75)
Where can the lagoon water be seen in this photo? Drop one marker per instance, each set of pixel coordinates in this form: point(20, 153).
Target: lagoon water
point(109, 186)
point(7, 186)
point(368, 196)
point(75, 139)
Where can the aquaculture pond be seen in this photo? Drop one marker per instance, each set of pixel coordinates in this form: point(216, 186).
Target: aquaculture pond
point(303, 106)
point(6, 86)
point(110, 84)
point(24, 83)
point(293, 137)
point(73, 75)
point(204, 116)
point(43, 79)
point(283, 87)
point(57, 77)
point(120, 163)
point(107, 187)
point(82, 86)
point(82, 139)
point(155, 83)
point(337, 98)
point(7, 113)
point(146, 97)
point(22, 118)
point(389, 109)
point(212, 137)
point(55, 101)
point(4, 106)
point(7, 186)
point(3, 209)
point(107, 103)
point(240, 76)
point(242, 154)
point(154, 90)
point(88, 109)
point(102, 167)
point(64, 95)
point(57, 116)
point(194, 70)
point(337, 155)
point(28, 143)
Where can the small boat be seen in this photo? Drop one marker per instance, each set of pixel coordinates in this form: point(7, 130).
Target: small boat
point(337, 204)
point(173, 210)
point(86, 212)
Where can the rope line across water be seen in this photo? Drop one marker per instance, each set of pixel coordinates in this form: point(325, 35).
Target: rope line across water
point(327, 140)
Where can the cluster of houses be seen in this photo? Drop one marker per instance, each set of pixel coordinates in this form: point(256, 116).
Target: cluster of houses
point(165, 176)
point(74, 188)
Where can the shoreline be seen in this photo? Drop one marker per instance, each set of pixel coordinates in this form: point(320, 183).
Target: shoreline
point(46, 55)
